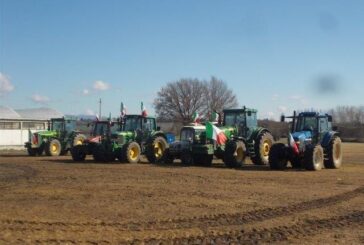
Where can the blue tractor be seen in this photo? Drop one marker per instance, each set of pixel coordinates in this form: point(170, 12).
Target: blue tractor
point(312, 144)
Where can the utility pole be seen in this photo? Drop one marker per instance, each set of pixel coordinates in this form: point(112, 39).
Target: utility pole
point(100, 108)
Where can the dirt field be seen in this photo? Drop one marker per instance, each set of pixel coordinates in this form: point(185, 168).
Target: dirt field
point(54, 200)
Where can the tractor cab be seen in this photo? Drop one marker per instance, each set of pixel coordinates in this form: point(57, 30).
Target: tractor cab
point(138, 122)
point(194, 134)
point(310, 126)
point(245, 120)
point(104, 127)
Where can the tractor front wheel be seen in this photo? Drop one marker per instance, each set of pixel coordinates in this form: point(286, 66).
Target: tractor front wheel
point(78, 153)
point(31, 151)
point(334, 154)
point(156, 148)
point(314, 158)
point(278, 157)
point(53, 148)
point(132, 152)
point(235, 153)
point(262, 146)
point(78, 139)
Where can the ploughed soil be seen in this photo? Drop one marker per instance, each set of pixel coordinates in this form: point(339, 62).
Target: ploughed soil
point(53, 200)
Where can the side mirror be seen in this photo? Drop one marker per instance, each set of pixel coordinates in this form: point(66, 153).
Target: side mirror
point(88, 125)
point(335, 128)
point(329, 118)
point(282, 118)
point(158, 128)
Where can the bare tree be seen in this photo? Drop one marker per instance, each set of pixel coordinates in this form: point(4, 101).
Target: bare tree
point(179, 100)
point(219, 96)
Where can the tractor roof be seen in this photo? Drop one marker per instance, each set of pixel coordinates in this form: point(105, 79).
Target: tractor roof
point(136, 115)
point(198, 127)
point(312, 114)
point(244, 109)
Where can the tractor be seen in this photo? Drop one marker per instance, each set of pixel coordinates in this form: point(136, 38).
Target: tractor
point(57, 140)
point(313, 143)
point(99, 128)
point(193, 147)
point(244, 138)
point(138, 135)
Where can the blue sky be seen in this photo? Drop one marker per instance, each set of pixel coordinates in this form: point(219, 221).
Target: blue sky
point(276, 55)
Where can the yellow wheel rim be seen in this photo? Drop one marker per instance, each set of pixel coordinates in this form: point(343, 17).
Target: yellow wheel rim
point(239, 154)
point(54, 148)
point(266, 147)
point(133, 153)
point(158, 149)
point(79, 142)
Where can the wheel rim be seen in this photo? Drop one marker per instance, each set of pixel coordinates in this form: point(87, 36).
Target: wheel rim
point(239, 154)
point(133, 153)
point(158, 149)
point(54, 148)
point(266, 148)
point(79, 142)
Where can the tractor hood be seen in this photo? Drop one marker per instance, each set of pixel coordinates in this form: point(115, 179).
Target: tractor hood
point(47, 133)
point(302, 135)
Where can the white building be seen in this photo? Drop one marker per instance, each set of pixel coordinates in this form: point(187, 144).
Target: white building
point(15, 124)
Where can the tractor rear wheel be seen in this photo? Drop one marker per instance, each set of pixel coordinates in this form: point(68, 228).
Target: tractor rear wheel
point(78, 153)
point(156, 148)
point(132, 152)
point(78, 139)
point(334, 153)
point(235, 153)
point(262, 146)
point(314, 158)
point(53, 148)
point(278, 156)
point(186, 157)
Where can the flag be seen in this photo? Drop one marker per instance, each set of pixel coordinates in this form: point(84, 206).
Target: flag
point(196, 117)
point(293, 144)
point(144, 110)
point(215, 117)
point(213, 132)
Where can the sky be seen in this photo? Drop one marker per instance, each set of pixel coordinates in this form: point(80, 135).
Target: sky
point(276, 56)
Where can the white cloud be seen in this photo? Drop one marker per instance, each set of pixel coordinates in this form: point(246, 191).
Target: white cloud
point(90, 112)
point(282, 108)
point(85, 91)
point(40, 99)
point(101, 85)
point(275, 97)
point(270, 114)
point(5, 84)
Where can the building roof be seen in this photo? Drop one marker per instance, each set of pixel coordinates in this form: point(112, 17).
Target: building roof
point(29, 114)
point(8, 113)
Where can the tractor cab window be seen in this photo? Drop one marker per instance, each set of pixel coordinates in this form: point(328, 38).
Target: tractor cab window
point(115, 127)
point(148, 124)
point(187, 135)
point(323, 125)
point(132, 123)
point(100, 129)
point(307, 124)
point(234, 119)
point(251, 120)
point(57, 125)
point(70, 125)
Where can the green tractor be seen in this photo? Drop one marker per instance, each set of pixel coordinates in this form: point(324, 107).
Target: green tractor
point(313, 144)
point(57, 140)
point(99, 128)
point(138, 135)
point(244, 138)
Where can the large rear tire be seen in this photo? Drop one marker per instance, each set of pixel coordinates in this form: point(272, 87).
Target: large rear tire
point(53, 148)
point(235, 153)
point(156, 148)
point(78, 153)
point(334, 153)
point(278, 157)
point(78, 139)
point(262, 146)
point(314, 158)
